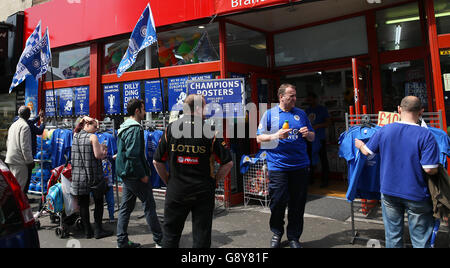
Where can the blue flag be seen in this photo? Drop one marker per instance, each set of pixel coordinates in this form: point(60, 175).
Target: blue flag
point(143, 35)
point(37, 59)
point(21, 70)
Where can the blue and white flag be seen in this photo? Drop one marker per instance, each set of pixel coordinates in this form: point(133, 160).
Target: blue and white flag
point(38, 58)
point(143, 35)
point(21, 70)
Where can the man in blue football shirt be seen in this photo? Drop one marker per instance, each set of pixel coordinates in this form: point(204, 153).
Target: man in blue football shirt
point(288, 164)
point(406, 150)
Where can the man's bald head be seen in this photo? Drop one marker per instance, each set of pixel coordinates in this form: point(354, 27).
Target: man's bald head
point(411, 104)
point(24, 112)
point(194, 104)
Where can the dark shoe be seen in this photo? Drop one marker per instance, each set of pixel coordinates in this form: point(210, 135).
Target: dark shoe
point(99, 234)
point(130, 244)
point(89, 235)
point(275, 242)
point(294, 244)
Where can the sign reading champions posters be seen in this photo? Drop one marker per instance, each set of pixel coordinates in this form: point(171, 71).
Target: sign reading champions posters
point(111, 95)
point(81, 101)
point(131, 90)
point(228, 93)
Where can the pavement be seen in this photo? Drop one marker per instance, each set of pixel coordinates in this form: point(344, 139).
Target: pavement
point(328, 224)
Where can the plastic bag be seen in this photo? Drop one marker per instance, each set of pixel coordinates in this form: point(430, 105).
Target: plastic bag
point(70, 202)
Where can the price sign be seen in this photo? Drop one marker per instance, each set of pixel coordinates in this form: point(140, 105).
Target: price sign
point(385, 118)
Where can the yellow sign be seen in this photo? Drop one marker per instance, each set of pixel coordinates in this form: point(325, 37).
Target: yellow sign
point(444, 52)
point(385, 118)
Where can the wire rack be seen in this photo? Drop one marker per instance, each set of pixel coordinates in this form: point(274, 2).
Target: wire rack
point(256, 184)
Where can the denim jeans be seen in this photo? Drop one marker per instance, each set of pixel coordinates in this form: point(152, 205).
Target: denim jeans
point(420, 221)
point(288, 188)
point(131, 190)
point(109, 197)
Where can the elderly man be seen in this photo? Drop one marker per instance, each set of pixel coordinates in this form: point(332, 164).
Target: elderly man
point(19, 156)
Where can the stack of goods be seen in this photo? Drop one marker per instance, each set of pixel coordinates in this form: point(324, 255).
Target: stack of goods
point(42, 170)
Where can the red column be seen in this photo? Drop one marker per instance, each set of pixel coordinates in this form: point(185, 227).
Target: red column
point(435, 60)
point(95, 90)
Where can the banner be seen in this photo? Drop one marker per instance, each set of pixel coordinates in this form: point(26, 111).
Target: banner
point(143, 35)
point(50, 103)
point(31, 95)
point(153, 99)
point(228, 93)
point(131, 90)
point(21, 71)
point(65, 101)
point(177, 92)
point(81, 101)
point(37, 59)
point(111, 99)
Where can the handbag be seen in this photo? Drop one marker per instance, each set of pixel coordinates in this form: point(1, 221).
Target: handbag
point(98, 188)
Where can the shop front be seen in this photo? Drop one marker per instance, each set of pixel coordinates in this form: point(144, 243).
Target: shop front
point(320, 46)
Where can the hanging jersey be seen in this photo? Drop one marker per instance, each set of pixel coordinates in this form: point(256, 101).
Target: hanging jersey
point(61, 145)
point(110, 141)
point(404, 149)
point(363, 172)
point(151, 139)
point(443, 141)
point(107, 171)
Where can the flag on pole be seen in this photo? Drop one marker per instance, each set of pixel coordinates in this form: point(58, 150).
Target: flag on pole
point(37, 59)
point(21, 70)
point(143, 35)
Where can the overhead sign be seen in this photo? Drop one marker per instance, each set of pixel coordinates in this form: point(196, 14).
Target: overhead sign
point(81, 100)
point(111, 95)
point(66, 102)
point(228, 93)
point(385, 118)
point(232, 6)
point(131, 90)
point(153, 99)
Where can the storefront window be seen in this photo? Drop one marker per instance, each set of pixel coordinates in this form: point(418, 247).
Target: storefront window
point(399, 27)
point(69, 64)
point(400, 79)
point(7, 112)
point(246, 46)
point(189, 45)
point(329, 41)
point(114, 53)
point(442, 8)
point(445, 69)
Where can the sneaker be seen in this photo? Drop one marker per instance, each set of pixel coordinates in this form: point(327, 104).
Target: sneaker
point(294, 244)
point(130, 244)
point(158, 245)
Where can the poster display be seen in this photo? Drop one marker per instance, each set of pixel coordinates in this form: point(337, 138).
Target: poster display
point(50, 103)
point(131, 90)
point(177, 92)
point(111, 95)
point(65, 101)
point(153, 99)
point(81, 100)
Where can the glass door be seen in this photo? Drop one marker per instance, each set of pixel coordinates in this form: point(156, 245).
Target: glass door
point(362, 86)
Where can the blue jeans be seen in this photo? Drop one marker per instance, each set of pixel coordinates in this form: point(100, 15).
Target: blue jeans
point(288, 188)
point(131, 190)
point(420, 220)
point(109, 197)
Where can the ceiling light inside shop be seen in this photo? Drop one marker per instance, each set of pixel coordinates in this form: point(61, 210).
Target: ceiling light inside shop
point(201, 27)
point(259, 46)
point(444, 14)
point(398, 35)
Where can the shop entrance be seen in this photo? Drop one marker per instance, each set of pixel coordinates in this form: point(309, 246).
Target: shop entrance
point(445, 70)
point(363, 93)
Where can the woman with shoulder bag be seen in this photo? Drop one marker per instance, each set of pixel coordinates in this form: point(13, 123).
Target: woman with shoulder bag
point(87, 175)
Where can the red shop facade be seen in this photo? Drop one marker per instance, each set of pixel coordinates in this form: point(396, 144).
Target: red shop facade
point(404, 47)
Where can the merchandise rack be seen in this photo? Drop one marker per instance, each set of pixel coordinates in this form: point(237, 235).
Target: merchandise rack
point(256, 183)
point(361, 206)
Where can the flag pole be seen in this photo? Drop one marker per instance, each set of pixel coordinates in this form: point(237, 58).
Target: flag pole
point(160, 79)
